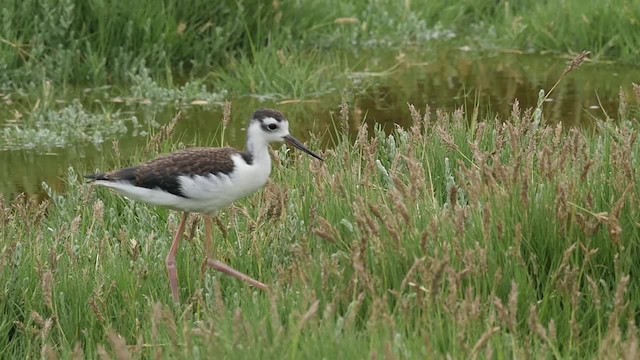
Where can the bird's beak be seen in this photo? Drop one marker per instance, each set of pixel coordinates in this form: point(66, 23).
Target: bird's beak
point(297, 144)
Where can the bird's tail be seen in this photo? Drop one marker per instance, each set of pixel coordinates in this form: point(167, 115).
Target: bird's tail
point(93, 177)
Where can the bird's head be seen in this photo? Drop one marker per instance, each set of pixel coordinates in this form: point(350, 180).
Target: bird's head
point(272, 126)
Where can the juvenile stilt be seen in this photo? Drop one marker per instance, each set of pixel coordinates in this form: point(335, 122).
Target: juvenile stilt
point(205, 180)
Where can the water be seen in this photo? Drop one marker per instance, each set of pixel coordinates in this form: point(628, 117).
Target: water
point(449, 81)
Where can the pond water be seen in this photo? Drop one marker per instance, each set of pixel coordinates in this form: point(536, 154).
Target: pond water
point(449, 80)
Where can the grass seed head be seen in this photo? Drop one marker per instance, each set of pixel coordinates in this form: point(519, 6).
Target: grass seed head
point(226, 114)
point(576, 62)
point(482, 342)
point(47, 289)
point(326, 231)
point(623, 104)
point(78, 353)
point(344, 116)
point(636, 91)
point(118, 345)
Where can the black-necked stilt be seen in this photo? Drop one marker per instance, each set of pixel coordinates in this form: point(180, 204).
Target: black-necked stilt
point(205, 180)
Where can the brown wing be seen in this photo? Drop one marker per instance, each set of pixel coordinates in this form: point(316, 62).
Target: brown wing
point(164, 172)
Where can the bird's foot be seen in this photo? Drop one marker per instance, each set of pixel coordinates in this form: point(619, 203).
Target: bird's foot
point(226, 269)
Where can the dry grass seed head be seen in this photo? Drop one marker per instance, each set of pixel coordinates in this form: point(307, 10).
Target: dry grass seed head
point(418, 183)
point(514, 137)
point(516, 115)
point(559, 166)
point(452, 301)
point(487, 221)
point(379, 314)
point(631, 347)
point(503, 312)
point(399, 205)
point(446, 138)
point(526, 182)
point(78, 353)
point(460, 216)
point(358, 261)
point(104, 355)
point(96, 303)
point(619, 303)
point(352, 311)
point(517, 243)
point(326, 231)
point(594, 292)
point(558, 135)
point(410, 275)
point(276, 198)
point(623, 104)
point(612, 343)
point(636, 91)
point(426, 118)
point(118, 345)
point(482, 342)
point(576, 62)
point(479, 132)
point(544, 163)
point(47, 289)
point(309, 314)
point(585, 169)
point(415, 114)
point(534, 323)
point(156, 141)
point(513, 307)
point(226, 114)
point(416, 122)
point(562, 205)
point(48, 352)
point(344, 116)
point(458, 118)
point(362, 137)
point(98, 211)
point(478, 156)
point(436, 280)
point(373, 226)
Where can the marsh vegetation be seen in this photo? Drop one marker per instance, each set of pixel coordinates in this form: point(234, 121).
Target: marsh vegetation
point(459, 212)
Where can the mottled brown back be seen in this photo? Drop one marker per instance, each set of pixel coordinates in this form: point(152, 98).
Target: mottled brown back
point(163, 172)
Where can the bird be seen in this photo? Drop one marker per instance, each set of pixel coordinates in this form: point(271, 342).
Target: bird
point(204, 180)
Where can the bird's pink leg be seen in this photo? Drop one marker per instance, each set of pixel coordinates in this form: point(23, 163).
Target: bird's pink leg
point(171, 258)
point(220, 266)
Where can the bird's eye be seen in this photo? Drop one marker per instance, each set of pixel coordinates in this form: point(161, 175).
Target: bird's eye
point(272, 126)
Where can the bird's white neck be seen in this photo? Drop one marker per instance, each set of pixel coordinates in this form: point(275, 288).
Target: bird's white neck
point(258, 147)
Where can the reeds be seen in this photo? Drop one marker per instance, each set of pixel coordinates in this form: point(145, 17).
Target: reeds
point(481, 239)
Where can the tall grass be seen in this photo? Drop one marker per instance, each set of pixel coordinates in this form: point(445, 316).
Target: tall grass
point(456, 236)
point(103, 42)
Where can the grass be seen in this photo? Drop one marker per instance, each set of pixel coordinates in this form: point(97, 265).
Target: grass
point(202, 53)
point(48, 120)
point(456, 236)
point(73, 42)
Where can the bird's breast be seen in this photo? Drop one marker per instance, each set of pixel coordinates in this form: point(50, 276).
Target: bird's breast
point(216, 191)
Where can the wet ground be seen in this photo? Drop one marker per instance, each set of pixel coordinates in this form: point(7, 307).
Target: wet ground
point(450, 81)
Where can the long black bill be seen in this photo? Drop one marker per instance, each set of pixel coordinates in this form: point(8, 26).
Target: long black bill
point(297, 144)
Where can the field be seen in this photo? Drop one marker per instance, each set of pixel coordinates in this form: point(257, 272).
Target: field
point(455, 235)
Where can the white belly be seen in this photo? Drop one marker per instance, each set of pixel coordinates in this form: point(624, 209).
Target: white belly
point(203, 194)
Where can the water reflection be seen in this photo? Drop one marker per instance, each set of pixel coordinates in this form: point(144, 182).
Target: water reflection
point(450, 81)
